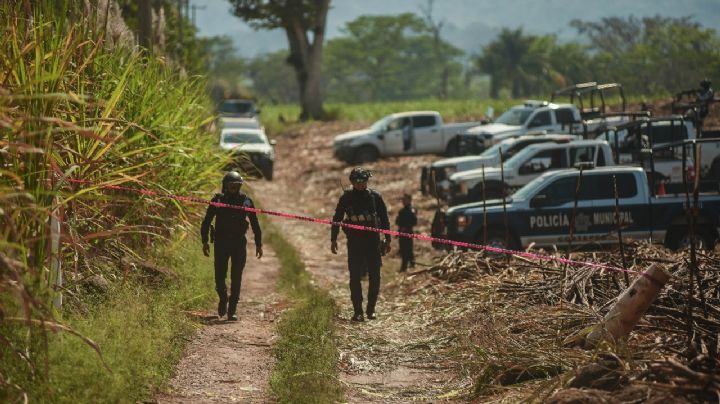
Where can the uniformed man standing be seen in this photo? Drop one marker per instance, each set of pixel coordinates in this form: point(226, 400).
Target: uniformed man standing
point(231, 224)
point(406, 220)
point(365, 207)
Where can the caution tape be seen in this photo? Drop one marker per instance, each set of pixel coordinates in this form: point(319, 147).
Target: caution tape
point(423, 237)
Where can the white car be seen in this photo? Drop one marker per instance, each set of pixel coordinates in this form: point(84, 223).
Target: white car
point(251, 150)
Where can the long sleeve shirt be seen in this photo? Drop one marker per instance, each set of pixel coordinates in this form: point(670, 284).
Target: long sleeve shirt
point(361, 208)
point(230, 224)
point(406, 219)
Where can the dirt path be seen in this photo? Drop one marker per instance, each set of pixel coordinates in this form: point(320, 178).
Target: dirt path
point(397, 357)
point(232, 361)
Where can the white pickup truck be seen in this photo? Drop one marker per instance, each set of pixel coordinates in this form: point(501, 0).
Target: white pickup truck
point(435, 179)
point(525, 166)
point(405, 133)
point(532, 116)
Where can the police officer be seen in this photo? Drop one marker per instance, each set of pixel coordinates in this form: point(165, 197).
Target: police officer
point(406, 220)
point(705, 96)
point(230, 243)
point(365, 207)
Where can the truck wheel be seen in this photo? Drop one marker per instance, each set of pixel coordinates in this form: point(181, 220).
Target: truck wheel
point(366, 154)
point(452, 148)
point(678, 238)
point(497, 239)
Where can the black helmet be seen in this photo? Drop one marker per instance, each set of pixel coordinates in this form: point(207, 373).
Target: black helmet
point(233, 177)
point(705, 83)
point(359, 174)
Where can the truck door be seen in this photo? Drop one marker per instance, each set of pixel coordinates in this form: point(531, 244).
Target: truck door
point(392, 138)
point(540, 162)
point(552, 212)
point(542, 120)
point(582, 154)
point(428, 134)
point(633, 214)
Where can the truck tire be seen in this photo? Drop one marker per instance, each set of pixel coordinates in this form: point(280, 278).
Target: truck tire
point(678, 238)
point(366, 154)
point(496, 238)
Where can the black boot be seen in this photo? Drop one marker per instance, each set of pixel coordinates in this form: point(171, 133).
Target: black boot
point(231, 311)
point(358, 317)
point(222, 304)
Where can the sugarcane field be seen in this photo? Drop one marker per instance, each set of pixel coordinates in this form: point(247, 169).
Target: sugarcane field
point(332, 201)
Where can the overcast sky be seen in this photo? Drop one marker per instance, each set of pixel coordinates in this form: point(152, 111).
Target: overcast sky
point(468, 23)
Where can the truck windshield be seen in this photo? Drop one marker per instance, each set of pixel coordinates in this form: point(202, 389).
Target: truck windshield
point(514, 116)
point(494, 149)
point(380, 125)
point(529, 189)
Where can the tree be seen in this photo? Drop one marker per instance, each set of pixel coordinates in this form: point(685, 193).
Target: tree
point(507, 59)
point(298, 18)
point(435, 27)
point(386, 57)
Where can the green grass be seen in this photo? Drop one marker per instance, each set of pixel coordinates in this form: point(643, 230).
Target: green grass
point(139, 328)
point(306, 350)
point(450, 110)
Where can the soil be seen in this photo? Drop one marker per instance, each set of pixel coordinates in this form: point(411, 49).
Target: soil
point(396, 357)
point(232, 361)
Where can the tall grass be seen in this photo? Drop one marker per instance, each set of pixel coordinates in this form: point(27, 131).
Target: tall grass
point(73, 108)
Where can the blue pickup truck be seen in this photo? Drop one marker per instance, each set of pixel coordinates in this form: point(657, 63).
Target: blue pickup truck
point(541, 213)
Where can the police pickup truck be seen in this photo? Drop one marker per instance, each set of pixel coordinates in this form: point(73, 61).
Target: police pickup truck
point(541, 213)
point(405, 133)
point(524, 166)
point(435, 178)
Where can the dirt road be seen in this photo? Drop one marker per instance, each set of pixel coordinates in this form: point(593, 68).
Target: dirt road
point(397, 357)
point(232, 361)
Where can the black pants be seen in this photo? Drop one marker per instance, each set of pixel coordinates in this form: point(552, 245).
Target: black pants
point(406, 253)
point(234, 251)
point(364, 257)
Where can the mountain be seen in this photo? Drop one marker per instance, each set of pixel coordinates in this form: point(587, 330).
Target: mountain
point(468, 23)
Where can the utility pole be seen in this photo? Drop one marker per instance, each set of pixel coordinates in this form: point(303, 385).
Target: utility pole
point(180, 30)
point(145, 23)
point(195, 7)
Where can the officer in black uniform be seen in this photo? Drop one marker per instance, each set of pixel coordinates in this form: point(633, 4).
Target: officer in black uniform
point(365, 207)
point(406, 220)
point(230, 242)
point(705, 96)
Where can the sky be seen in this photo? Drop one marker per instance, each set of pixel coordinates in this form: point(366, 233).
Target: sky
point(468, 24)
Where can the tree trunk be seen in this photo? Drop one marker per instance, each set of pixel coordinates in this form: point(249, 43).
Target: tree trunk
point(306, 59)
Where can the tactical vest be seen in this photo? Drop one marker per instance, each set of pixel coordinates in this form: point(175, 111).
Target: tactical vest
point(229, 222)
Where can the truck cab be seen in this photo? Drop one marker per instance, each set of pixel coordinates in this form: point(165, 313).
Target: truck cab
point(533, 115)
point(525, 166)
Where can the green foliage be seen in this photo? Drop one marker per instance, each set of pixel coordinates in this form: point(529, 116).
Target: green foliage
point(139, 329)
point(273, 79)
point(306, 350)
point(651, 55)
point(387, 58)
point(74, 108)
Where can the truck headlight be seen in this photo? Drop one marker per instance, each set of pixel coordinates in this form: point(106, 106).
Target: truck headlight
point(462, 222)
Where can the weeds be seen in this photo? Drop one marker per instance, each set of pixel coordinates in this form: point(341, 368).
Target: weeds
point(306, 351)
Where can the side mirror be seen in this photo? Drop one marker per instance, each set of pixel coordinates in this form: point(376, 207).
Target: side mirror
point(257, 111)
point(538, 201)
point(273, 142)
